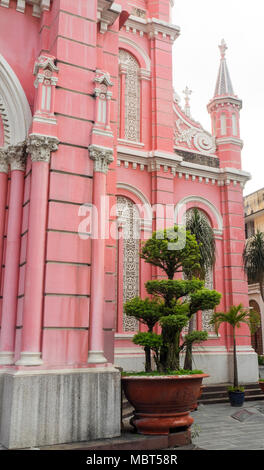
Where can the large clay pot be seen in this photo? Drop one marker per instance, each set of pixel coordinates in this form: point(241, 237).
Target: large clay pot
point(162, 403)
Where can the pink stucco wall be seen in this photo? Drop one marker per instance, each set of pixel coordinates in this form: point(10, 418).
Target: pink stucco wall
point(70, 33)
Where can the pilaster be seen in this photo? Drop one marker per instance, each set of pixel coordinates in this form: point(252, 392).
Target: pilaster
point(39, 147)
point(16, 157)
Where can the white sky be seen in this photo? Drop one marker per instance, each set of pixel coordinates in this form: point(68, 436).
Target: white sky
point(196, 55)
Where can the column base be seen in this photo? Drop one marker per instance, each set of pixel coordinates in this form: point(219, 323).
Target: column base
point(96, 357)
point(6, 358)
point(40, 408)
point(29, 359)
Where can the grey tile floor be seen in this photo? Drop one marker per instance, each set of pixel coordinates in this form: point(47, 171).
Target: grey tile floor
point(214, 427)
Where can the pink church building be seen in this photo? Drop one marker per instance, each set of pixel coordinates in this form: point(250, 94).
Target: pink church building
point(96, 153)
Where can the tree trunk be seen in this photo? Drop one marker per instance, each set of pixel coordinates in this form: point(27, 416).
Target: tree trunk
point(147, 359)
point(188, 354)
point(235, 361)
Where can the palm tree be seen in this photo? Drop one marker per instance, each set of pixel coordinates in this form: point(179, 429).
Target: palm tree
point(234, 317)
point(199, 226)
point(253, 257)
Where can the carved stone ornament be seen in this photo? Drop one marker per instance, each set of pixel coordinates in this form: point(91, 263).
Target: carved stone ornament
point(194, 137)
point(40, 147)
point(3, 160)
point(102, 157)
point(17, 156)
point(44, 70)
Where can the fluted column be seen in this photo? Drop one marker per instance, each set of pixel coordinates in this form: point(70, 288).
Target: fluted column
point(39, 147)
point(102, 157)
point(16, 156)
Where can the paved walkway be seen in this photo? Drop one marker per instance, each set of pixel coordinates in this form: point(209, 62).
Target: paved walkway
point(216, 429)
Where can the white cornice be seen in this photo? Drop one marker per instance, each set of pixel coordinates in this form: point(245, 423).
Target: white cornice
point(224, 100)
point(152, 27)
point(230, 140)
point(154, 161)
point(38, 6)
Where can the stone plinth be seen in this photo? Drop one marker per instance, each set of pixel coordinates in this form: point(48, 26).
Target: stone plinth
point(52, 407)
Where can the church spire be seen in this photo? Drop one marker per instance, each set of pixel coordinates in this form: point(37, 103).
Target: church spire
point(223, 84)
point(224, 109)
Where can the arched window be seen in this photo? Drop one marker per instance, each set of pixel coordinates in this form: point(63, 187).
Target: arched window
point(209, 283)
point(234, 124)
point(129, 97)
point(128, 260)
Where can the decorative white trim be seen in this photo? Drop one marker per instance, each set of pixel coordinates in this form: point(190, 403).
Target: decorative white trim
point(40, 147)
point(102, 157)
point(38, 6)
point(6, 358)
point(29, 359)
point(16, 104)
point(189, 199)
point(107, 13)
point(17, 156)
point(3, 160)
point(96, 357)
point(230, 140)
point(138, 194)
point(139, 50)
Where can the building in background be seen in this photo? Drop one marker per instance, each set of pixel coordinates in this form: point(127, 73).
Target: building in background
point(88, 117)
point(254, 221)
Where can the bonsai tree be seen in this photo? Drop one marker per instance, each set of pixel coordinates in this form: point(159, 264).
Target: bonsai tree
point(199, 226)
point(234, 317)
point(253, 257)
point(174, 301)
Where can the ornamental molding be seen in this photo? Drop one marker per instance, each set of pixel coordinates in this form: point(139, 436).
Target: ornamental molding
point(3, 160)
point(230, 140)
point(221, 101)
point(103, 78)
point(38, 6)
point(193, 137)
point(152, 27)
point(5, 121)
point(40, 147)
point(107, 13)
point(17, 156)
point(102, 157)
point(14, 107)
point(145, 161)
point(139, 50)
point(44, 69)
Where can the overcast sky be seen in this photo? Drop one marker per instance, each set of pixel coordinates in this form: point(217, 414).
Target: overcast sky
point(204, 23)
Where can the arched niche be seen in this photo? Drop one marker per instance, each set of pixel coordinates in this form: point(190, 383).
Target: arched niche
point(14, 108)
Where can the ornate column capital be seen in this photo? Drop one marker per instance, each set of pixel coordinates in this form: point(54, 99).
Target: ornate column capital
point(3, 160)
point(17, 157)
point(40, 146)
point(102, 157)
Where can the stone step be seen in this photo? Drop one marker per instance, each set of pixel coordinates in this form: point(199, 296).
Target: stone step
point(218, 393)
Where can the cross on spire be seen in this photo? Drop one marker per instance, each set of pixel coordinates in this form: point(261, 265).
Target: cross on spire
point(223, 47)
point(187, 92)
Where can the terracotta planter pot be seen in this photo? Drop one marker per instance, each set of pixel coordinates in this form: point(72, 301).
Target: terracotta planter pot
point(162, 403)
point(261, 385)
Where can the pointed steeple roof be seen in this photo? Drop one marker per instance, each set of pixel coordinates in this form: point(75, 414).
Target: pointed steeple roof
point(223, 85)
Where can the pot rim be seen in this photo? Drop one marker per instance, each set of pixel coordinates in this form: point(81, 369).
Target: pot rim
point(164, 377)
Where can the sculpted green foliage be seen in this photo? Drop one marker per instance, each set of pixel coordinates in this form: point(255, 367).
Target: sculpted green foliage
point(173, 302)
